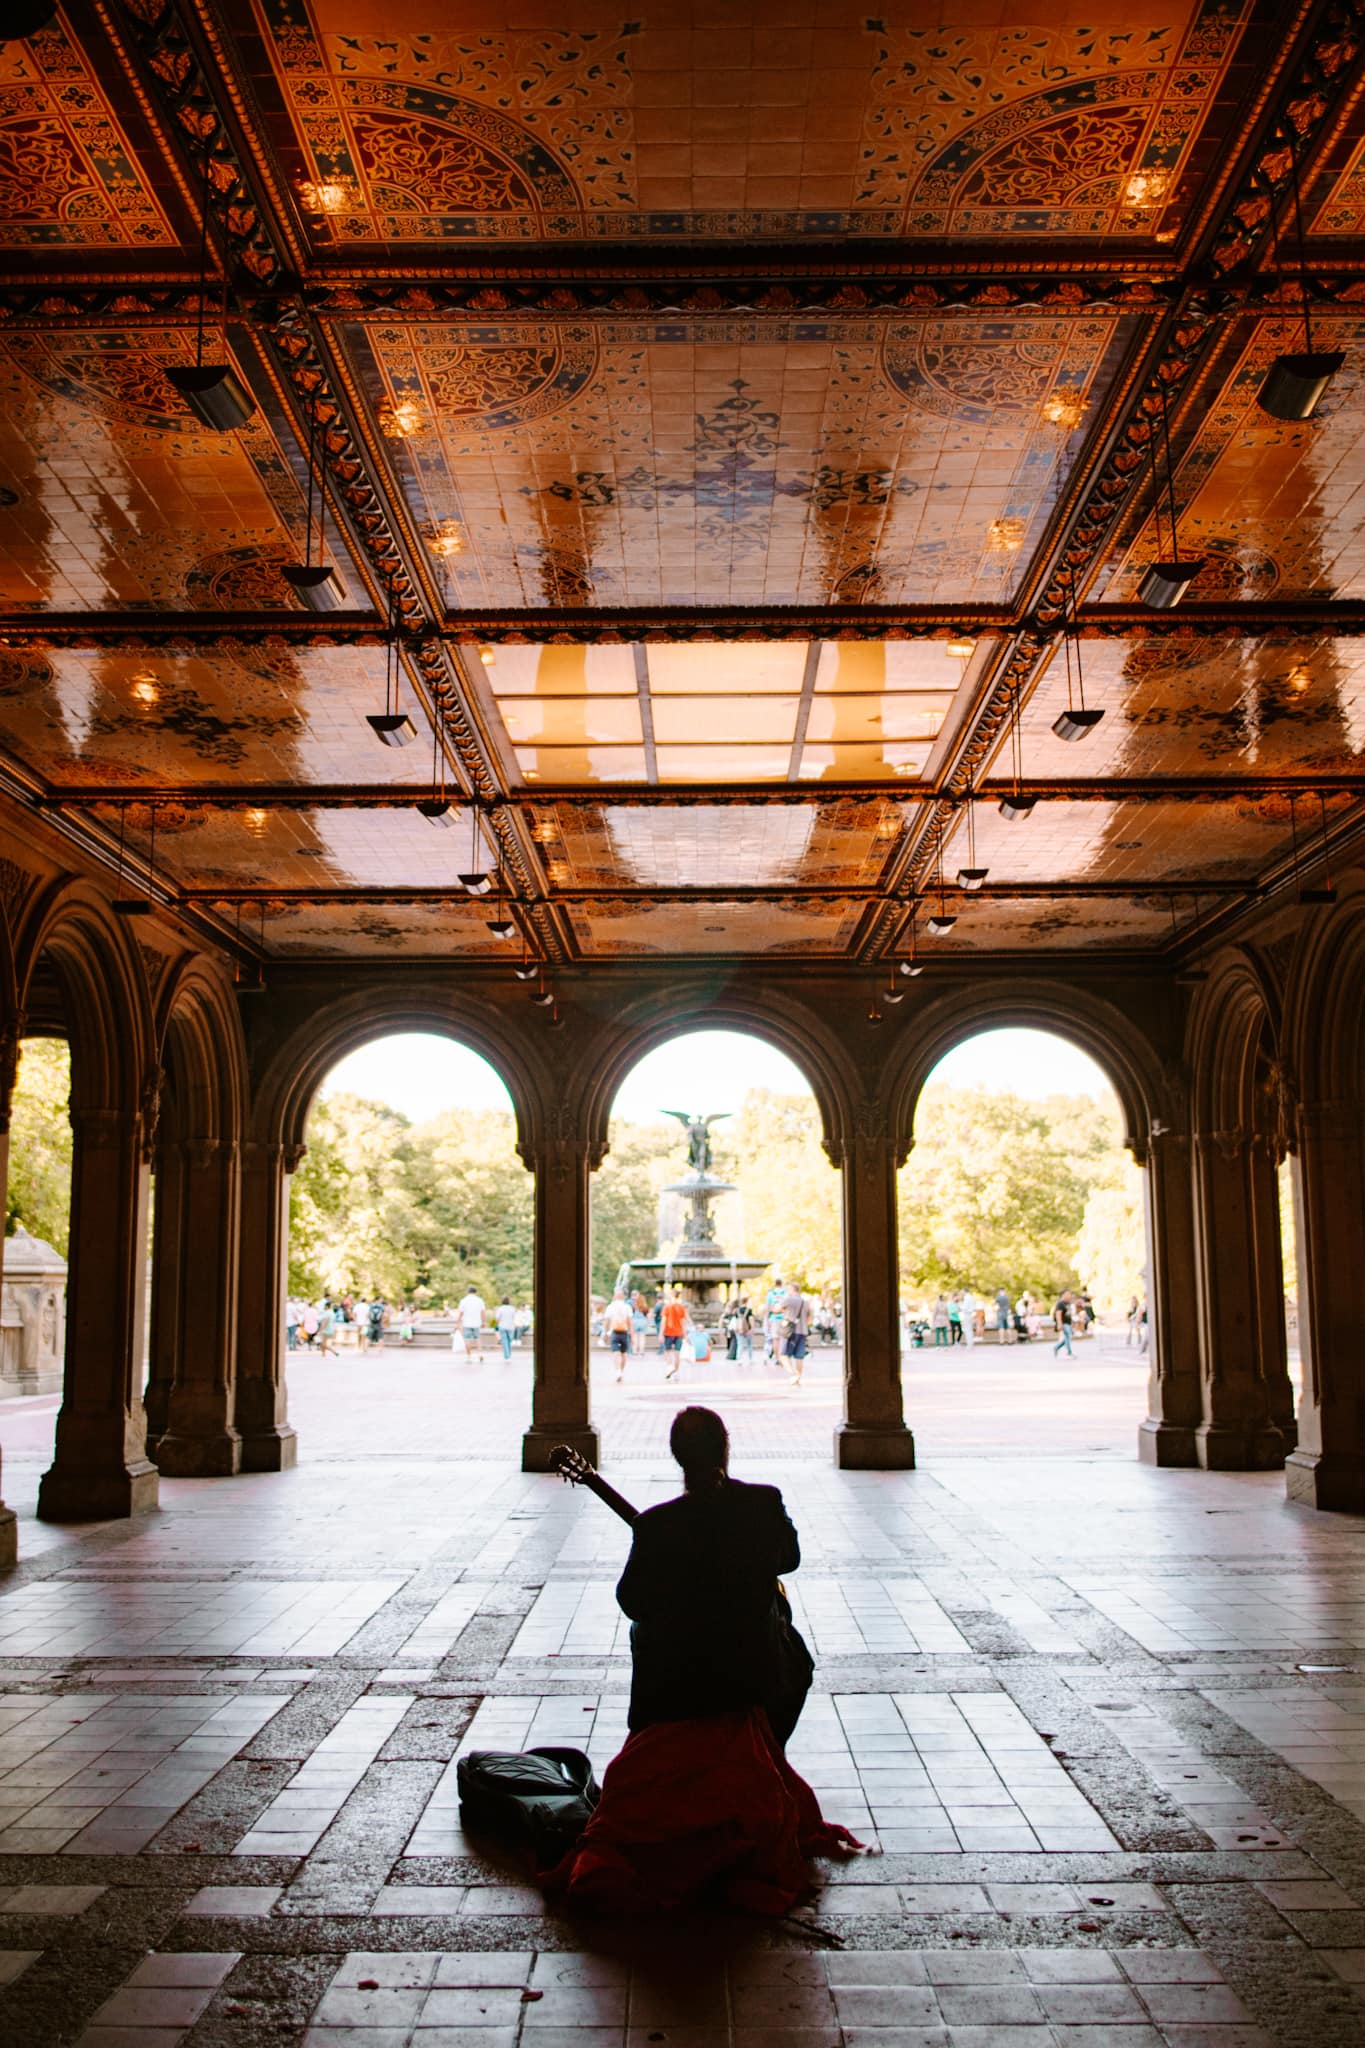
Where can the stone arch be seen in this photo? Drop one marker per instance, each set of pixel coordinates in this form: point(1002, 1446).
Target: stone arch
point(1128, 1059)
point(103, 985)
point(1323, 1039)
point(1233, 1050)
point(199, 1034)
point(296, 1069)
point(794, 1030)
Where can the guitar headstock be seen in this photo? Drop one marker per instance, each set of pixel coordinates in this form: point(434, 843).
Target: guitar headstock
point(570, 1464)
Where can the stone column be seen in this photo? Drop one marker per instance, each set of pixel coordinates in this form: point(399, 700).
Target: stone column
point(1173, 1403)
point(11, 1032)
point(872, 1436)
point(200, 1439)
point(100, 1465)
point(563, 1167)
point(1328, 1468)
point(1234, 1243)
point(268, 1442)
point(168, 1258)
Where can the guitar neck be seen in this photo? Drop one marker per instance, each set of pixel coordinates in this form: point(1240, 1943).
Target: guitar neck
point(610, 1497)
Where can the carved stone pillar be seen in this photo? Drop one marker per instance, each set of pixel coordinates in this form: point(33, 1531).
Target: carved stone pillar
point(268, 1442)
point(1328, 1468)
point(168, 1272)
point(1240, 1303)
point(872, 1436)
point(100, 1465)
point(11, 1031)
point(563, 1166)
point(1173, 1403)
point(200, 1439)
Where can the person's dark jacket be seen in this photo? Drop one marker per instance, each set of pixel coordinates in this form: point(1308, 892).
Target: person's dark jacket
point(711, 1633)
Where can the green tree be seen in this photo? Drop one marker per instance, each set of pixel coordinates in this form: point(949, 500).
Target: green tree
point(625, 1196)
point(793, 1198)
point(1111, 1253)
point(38, 1198)
point(473, 1207)
point(351, 1213)
point(989, 1194)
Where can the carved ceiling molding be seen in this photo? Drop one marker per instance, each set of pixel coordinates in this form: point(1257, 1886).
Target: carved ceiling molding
point(1308, 100)
point(1098, 789)
point(1245, 619)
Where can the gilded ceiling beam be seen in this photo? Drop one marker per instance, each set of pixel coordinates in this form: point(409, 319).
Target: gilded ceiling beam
point(1245, 619)
point(1100, 789)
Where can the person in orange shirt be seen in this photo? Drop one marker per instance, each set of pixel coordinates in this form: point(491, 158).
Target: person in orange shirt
point(672, 1326)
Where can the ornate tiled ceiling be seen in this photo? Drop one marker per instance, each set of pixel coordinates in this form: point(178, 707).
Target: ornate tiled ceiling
point(723, 410)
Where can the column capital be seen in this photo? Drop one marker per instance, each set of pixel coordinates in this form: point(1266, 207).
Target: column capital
point(868, 1145)
point(562, 1144)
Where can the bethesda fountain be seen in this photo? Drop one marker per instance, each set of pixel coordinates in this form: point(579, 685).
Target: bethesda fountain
point(704, 1272)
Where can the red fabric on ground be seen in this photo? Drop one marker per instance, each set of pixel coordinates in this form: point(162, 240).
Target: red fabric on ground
point(698, 1806)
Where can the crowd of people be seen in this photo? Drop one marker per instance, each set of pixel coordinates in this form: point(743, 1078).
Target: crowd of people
point(778, 1327)
point(961, 1318)
point(332, 1322)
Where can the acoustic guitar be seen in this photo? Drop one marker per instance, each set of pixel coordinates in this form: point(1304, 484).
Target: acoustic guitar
point(574, 1468)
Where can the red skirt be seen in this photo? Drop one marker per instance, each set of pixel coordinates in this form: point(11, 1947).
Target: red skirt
point(698, 1809)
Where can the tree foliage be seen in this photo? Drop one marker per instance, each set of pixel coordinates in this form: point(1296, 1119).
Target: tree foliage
point(1040, 1195)
point(39, 1195)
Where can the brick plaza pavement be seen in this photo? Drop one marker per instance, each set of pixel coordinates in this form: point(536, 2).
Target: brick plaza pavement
point(1105, 1724)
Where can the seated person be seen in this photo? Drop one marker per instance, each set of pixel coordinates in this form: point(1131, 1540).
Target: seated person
point(712, 1630)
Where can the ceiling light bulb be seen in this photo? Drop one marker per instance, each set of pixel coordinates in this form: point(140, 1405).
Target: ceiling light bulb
point(144, 689)
point(1147, 187)
point(446, 539)
point(961, 648)
point(329, 195)
point(543, 996)
point(1004, 536)
point(910, 968)
point(255, 819)
point(1065, 409)
point(527, 971)
point(401, 418)
point(487, 657)
point(892, 994)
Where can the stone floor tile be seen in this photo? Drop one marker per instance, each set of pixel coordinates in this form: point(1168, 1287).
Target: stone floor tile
point(1069, 1966)
point(972, 1966)
point(989, 2005)
point(1199, 2004)
point(233, 1901)
point(1069, 2005)
point(61, 1899)
point(1348, 1963)
point(1167, 1966)
point(14, 1961)
point(853, 1969)
point(1306, 1895)
point(900, 2005)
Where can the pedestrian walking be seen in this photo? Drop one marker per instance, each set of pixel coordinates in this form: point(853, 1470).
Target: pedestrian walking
point(471, 1313)
point(673, 1322)
point(1061, 1322)
point(1004, 1319)
point(618, 1324)
point(795, 1331)
point(941, 1320)
point(505, 1321)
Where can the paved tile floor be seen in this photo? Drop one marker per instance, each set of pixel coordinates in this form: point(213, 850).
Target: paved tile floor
point(1106, 1727)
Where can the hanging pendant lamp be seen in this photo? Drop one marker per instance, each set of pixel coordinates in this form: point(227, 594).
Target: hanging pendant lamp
point(315, 583)
point(212, 391)
point(1295, 384)
point(1016, 805)
point(943, 919)
point(476, 882)
point(132, 906)
point(1166, 580)
point(1079, 718)
point(971, 878)
point(391, 727)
